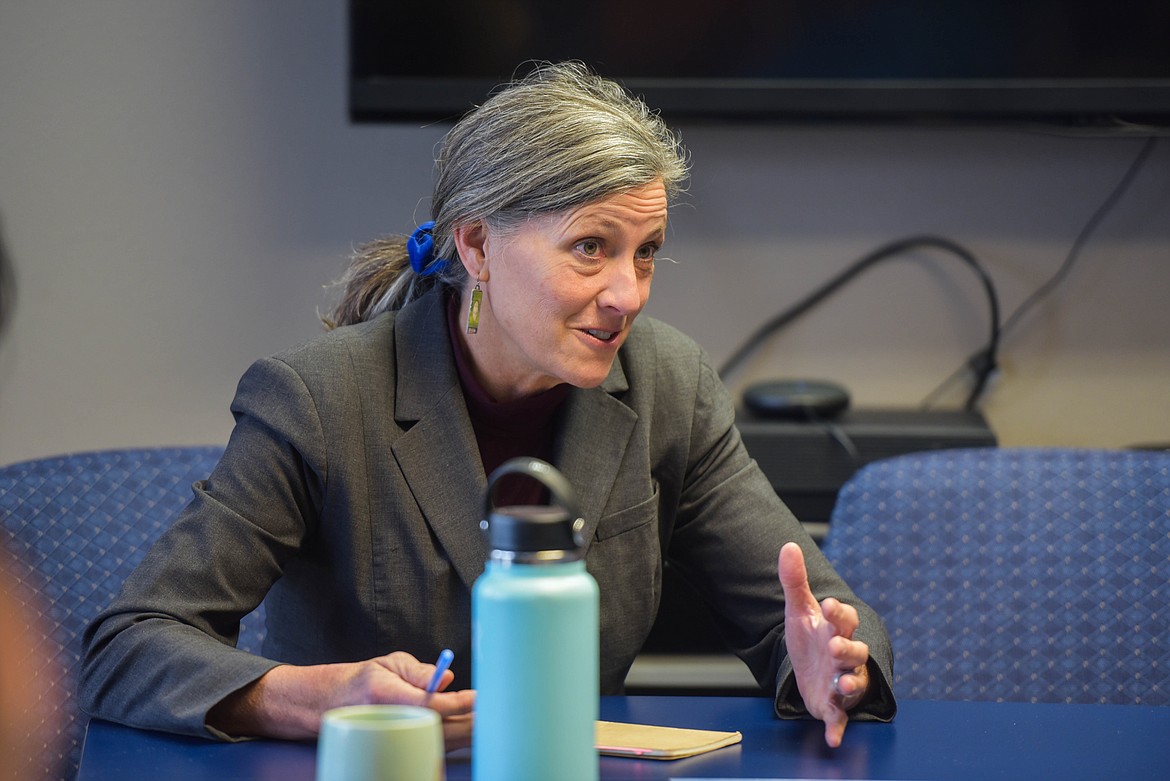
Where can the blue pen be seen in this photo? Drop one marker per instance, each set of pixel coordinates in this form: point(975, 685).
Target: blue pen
point(445, 658)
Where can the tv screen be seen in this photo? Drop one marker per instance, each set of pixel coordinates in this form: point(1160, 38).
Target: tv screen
point(894, 60)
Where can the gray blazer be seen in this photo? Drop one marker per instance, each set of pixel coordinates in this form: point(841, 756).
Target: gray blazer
point(350, 495)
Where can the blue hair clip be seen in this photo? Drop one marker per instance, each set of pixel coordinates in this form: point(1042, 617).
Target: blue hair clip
point(421, 248)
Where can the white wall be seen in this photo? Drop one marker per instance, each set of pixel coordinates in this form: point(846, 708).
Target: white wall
point(178, 179)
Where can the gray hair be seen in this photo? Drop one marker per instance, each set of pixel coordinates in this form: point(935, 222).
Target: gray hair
point(553, 140)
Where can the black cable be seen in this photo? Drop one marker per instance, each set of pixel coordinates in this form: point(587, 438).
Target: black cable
point(1061, 273)
point(984, 359)
point(941, 388)
point(1083, 237)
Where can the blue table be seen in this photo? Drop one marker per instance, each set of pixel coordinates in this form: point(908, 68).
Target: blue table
point(928, 740)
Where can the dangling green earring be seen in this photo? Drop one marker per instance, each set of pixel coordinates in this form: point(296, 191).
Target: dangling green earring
point(473, 310)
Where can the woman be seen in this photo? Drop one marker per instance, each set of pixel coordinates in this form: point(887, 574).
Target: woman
point(349, 491)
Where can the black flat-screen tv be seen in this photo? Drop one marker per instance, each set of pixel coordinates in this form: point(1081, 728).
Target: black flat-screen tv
point(1075, 63)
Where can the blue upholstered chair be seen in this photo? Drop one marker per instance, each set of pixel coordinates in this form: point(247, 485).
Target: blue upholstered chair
point(1031, 575)
point(78, 524)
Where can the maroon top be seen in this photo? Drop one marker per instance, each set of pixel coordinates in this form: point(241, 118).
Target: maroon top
point(509, 429)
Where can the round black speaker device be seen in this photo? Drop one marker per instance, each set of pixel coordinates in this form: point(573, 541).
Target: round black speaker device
point(796, 399)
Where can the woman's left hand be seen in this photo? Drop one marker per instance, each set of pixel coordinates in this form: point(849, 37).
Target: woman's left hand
point(830, 666)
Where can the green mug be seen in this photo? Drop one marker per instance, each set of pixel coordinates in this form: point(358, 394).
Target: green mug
point(381, 743)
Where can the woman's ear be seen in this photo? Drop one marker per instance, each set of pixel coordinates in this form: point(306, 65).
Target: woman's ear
point(471, 242)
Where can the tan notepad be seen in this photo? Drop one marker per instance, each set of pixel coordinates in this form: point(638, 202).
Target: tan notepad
point(651, 742)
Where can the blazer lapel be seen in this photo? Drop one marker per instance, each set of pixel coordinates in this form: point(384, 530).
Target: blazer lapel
point(592, 444)
point(438, 456)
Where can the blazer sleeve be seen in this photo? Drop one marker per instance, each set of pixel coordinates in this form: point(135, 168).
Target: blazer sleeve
point(728, 529)
point(162, 654)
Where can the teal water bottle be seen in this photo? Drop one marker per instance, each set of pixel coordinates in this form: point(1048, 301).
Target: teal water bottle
point(534, 640)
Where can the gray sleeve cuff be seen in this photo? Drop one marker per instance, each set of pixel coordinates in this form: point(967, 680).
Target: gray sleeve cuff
point(878, 705)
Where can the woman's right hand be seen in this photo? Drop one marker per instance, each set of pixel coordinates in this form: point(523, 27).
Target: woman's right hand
point(288, 701)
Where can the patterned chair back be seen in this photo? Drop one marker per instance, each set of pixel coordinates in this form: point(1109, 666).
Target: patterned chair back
point(1030, 575)
point(77, 525)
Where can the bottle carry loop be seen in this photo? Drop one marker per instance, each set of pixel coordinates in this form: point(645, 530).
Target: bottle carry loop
point(533, 534)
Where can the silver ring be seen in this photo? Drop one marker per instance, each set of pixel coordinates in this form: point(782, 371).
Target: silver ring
point(837, 684)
